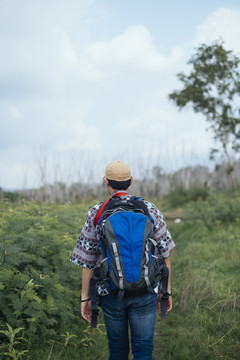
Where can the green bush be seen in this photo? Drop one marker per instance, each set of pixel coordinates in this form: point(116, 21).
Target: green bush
point(12, 196)
point(181, 196)
point(218, 208)
point(39, 286)
point(204, 322)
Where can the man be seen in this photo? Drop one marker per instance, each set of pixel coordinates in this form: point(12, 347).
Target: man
point(134, 311)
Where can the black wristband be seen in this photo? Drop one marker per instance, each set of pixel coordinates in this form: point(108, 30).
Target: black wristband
point(170, 294)
point(86, 300)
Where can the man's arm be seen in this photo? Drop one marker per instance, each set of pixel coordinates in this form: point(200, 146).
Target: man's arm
point(86, 306)
point(169, 300)
point(167, 262)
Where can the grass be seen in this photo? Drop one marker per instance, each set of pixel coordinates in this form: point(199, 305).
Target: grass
point(204, 321)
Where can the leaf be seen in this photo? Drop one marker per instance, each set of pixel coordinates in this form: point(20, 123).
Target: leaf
point(2, 286)
point(16, 331)
point(59, 287)
point(9, 354)
point(35, 297)
point(212, 88)
point(4, 332)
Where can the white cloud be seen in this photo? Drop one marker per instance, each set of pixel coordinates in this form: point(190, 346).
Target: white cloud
point(84, 137)
point(85, 134)
point(39, 43)
point(150, 123)
point(82, 85)
point(134, 49)
point(15, 113)
point(222, 24)
point(68, 53)
point(16, 166)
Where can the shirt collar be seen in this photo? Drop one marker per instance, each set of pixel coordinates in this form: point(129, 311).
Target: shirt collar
point(119, 191)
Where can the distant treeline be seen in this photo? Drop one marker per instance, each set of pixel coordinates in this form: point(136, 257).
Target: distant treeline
point(155, 186)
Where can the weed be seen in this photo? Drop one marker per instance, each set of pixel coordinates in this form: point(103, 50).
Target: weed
point(40, 288)
point(13, 342)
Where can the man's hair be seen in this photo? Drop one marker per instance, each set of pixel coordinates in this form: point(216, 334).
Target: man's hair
point(119, 185)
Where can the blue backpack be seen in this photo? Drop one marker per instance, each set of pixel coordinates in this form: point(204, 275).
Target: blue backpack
point(131, 261)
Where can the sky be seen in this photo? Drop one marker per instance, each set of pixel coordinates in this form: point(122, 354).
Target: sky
point(85, 82)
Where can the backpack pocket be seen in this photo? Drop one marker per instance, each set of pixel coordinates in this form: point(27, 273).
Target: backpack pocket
point(104, 274)
point(155, 270)
point(157, 263)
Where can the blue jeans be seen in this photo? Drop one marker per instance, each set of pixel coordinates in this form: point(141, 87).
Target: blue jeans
point(139, 313)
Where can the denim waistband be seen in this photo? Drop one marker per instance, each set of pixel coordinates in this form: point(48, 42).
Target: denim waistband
point(130, 293)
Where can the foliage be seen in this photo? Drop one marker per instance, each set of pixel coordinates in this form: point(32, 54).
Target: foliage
point(13, 341)
point(180, 195)
point(213, 89)
point(204, 322)
point(219, 208)
point(9, 195)
point(39, 286)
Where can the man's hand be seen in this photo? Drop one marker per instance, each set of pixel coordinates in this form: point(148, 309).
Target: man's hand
point(86, 310)
point(168, 304)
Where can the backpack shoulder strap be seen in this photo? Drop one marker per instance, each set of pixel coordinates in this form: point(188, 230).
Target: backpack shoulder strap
point(100, 211)
point(144, 207)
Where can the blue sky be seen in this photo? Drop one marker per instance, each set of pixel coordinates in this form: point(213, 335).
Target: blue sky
point(84, 82)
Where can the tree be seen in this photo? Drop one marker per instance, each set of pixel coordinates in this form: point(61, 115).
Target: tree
point(213, 88)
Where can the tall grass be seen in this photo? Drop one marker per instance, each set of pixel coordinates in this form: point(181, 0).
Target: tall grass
point(204, 322)
point(37, 240)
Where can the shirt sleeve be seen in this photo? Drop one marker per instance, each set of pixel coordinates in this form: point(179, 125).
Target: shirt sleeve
point(85, 253)
point(161, 232)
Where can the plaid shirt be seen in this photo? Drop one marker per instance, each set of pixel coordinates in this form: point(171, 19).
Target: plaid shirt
point(86, 252)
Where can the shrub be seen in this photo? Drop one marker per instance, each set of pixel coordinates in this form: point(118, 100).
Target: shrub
point(180, 196)
point(38, 290)
point(219, 208)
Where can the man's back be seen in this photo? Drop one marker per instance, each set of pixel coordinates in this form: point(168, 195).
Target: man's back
point(133, 309)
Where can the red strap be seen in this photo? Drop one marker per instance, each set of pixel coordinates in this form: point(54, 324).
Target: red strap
point(119, 194)
point(100, 211)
